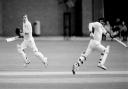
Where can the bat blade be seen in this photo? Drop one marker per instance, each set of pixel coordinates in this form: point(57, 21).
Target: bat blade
point(11, 39)
point(122, 43)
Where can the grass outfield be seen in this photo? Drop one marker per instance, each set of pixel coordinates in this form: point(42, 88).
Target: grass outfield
point(61, 55)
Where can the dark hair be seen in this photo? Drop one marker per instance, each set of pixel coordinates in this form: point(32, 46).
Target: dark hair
point(101, 20)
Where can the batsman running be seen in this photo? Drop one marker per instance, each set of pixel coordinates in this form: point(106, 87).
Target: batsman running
point(28, 41)
point(96, 30)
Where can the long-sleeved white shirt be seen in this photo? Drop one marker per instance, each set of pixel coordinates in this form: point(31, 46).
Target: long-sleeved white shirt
point(98, 30)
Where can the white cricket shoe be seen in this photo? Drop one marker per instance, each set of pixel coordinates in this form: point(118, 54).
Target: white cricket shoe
point(75, 68)
point(27, 62)
point(45, 62)
point(102, 66)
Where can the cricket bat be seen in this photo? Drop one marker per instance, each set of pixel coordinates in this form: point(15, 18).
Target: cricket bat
point(122, 43)
point(10, 39)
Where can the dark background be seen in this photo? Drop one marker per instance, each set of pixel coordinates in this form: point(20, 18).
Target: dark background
point(115, 9)
point(50, 14)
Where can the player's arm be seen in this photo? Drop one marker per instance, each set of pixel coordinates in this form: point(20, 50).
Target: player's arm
point(91, 30)
point(106, 33)
point(18, 32)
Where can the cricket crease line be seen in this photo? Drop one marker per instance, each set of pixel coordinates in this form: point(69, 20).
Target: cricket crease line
point(63, 80)
point(20, 73)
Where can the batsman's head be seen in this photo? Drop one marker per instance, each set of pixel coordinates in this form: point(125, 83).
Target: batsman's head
point(25, 18)
point(101, 20)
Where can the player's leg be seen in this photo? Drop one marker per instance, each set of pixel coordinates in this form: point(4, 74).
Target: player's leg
point(39, 54)
point(41, 57)
point(103, 57)
point(81, 59)
point(79, 62)
point(105, 54)
point(20, 49)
